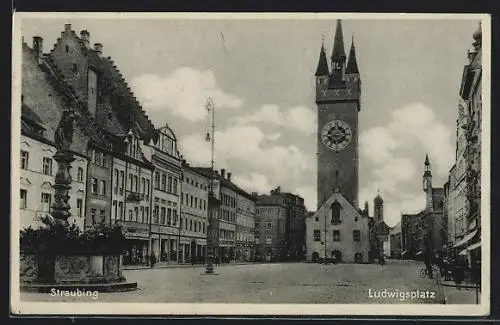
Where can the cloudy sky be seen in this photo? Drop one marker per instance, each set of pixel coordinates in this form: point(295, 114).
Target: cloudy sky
point(260, 73)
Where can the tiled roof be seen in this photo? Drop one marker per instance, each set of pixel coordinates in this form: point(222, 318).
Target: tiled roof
point(28, 114)
point(264, 200)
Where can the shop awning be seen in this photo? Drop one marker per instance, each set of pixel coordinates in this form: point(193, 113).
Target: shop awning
point(419, 253)
point(474, 246)
point(465, 239)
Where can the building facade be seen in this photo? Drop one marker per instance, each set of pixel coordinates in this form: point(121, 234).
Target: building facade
point(194, 214)
point(395, 242)
point(245, 225)
point(270, 232)
point(470, 92)
point(44, 98)
point(166, 181)
point(412, 238)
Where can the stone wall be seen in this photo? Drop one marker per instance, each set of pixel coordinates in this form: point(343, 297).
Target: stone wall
point(28, 267)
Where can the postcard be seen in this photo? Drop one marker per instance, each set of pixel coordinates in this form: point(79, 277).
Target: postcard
point(251, 164)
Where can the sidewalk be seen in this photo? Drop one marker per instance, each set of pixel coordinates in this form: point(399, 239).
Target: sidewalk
point(463, 296)
point(165, 265)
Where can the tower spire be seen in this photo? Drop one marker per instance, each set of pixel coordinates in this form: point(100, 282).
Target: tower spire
point(352, 64)
point(322, 69)
point(338, 42)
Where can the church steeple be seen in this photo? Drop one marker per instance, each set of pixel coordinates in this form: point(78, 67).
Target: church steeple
point(427, 177)
point(338, 59)
point(352, 64)
point(322, 69)
point(338, 42)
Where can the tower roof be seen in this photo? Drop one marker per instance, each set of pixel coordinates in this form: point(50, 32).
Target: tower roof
point(338, 42)
point(427, 163)
point(378, 199)
point(322, 69)
point(352, 64)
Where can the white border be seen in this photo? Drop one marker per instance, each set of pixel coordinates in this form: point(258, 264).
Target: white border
point(46, 308)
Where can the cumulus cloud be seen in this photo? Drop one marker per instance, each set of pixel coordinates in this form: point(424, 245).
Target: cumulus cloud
point(245, 147)
point(299, 118)
point(413, 128)
point(308, 193)
point(255, 182)
point(183, 93)
point(273, 136)
point(410, 126)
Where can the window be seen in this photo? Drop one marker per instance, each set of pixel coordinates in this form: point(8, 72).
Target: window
point(317, 235)
point(163, 182)
point(204, 205)
point(122, 181)
point(136, 181)
point(24, 159)
point(136, 210)
point(157, 180)
point(130, 215)
point(93, 213)
point(143, 185)
point(47, 166)
point(196, 202)
point(146, 212)
point(199, 226)
point(195, 226)
point(75, 67)
point(335, 209)
point(190, 225)
point(170, 189)
point(46, 201)
point(131, 182)
point(79, 207)
point(142, 214)
point(147, 189)
point(79, 174)
point(156, 213)
point(187, 199)
point(336, 235)
point(356, 234)
point(102, 215)
point(269, 239)
point(174, 217)
point(120, 206)
point(191, 202)
point(182, 198)
point(163, 212)
point(24, 198)
point(175, 185)
point(67, 48)
point(203, 227)
point(169, 216)
point(94, 185)
point(269, 225)
point(103, 187)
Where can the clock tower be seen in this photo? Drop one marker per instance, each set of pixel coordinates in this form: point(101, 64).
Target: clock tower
point(338, 92)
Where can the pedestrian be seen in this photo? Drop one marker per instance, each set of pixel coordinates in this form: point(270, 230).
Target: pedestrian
point(147, 259)
point(152, 259)
point(458, 273)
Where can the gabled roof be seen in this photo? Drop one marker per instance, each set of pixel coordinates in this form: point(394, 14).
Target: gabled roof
point(339, 198)
point(205, 171)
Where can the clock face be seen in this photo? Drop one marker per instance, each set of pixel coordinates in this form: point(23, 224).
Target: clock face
point(336, 135)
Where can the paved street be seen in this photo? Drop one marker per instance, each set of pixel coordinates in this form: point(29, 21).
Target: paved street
point(270, 283)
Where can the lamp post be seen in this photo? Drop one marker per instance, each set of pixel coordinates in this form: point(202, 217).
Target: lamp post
point(213, 202)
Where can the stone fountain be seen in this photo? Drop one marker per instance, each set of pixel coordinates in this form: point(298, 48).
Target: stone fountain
point(45, 267)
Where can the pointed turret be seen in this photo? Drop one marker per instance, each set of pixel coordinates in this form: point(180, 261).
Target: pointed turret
point(352, 64)
point(427, 177)
point(338, 43)
point(427, 163)
point(322, 69)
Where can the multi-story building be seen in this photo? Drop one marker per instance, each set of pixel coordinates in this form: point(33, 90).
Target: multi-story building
point(194, 214)
point(121, 126)
point(295, 226)
point(270, 219)
point(468, 241)
point(131, 193)
point(379, 231)
point(166, 202)
point(395, 241)
point(44, 97)
point(412, 239)
point(245, 224)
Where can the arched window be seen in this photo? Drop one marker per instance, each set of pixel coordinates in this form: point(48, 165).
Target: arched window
point(335, 208)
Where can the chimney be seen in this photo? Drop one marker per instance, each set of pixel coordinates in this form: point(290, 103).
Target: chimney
point(85, 36)
point(67, 27)
point(229, 176)
point(98, 48)
point(223, 173)
point(38, 48)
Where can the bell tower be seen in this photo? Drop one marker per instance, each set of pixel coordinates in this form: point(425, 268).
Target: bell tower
point(338, 92)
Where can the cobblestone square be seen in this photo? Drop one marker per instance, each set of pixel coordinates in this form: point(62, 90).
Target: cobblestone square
point(274, 283)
